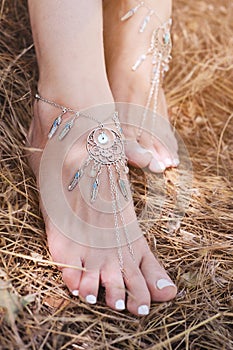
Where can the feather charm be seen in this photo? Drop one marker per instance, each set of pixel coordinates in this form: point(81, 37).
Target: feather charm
point(75, 181)
point(131, 12)
point(55, 126)
point(95, 188)
point(66, 129)
point(123, 189)
point(146, 21)
point(139, 62)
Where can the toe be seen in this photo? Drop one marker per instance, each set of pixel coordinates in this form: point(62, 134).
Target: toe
point(137, 155)
point(156, 166)
point(159, 283)
point(89, 285)
point(71, 278)
point(167, 156)
point(138, 299)
point(112, 280)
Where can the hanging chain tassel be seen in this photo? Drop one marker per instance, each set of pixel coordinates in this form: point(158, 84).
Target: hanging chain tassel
point(116, 220)
point(117, 206)
point(117, 123)
point(160, 49)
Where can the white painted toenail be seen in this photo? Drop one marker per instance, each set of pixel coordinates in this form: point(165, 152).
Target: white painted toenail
point(163, 283)
point(161, 165)
point(120, 304)
point(144, 151)
point(75, 293)
point(176, 161)
point(168, 162)
point(91, 299)
point(143, 310)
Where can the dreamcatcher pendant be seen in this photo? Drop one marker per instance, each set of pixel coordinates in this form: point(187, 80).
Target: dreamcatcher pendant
point(105, 147)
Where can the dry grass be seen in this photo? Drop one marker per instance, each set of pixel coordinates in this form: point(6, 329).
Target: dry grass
point(36, 311)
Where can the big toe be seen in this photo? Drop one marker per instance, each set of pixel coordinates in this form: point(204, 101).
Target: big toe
point(138, 155)
point(159, 283)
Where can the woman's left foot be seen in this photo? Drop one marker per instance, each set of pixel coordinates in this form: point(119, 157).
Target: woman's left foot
point(156, 149)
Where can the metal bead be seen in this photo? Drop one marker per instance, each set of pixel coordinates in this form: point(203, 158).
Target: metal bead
point(103, 138)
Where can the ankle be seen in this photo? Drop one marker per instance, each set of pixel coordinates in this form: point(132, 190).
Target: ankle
point(44, 114)
point(78, 93)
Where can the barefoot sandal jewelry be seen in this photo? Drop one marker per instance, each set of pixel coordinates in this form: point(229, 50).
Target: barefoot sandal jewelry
point(160, 53)
point(105, 147)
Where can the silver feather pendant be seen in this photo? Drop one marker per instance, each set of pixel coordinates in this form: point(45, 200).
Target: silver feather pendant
point(75, 181)
point(131, 12)
point(55, 126)
point(146, 21)
point(139, 62)
point(122, 186)
point(94, 191)
point(66, 129)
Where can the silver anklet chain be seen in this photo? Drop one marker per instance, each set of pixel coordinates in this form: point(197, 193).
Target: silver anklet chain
point(160, 51)
point(105, 148)
point(58, 120)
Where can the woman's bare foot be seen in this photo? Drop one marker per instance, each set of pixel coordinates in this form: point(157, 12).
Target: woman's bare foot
point(123, 45)
point(66, 82)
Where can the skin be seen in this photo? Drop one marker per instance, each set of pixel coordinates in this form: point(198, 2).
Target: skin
point(123, 45)
point(71, 60)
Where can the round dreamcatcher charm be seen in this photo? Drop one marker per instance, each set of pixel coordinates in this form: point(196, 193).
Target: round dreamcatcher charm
point(105, 146)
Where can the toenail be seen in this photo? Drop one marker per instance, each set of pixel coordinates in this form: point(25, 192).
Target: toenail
point(143, 310)
point(163, 283)
point(176, 161)
point(161, 165)
point(75, 293)
point(168, 162)
point(144, 151)
point(120, 304)
point(91, 299)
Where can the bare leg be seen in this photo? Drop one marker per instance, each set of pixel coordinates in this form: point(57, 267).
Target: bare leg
point(69, 47)
point(123, 45)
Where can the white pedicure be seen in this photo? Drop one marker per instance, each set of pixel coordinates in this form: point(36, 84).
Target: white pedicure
point(75, 293)
point(168, 162)
point(161, 165)
point(176, 161)
point(142, 150)
point(143, 310)
point(91, 299)
point(120, 304)
point(163, 283)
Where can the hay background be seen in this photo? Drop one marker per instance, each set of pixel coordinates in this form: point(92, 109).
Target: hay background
point(198, 254)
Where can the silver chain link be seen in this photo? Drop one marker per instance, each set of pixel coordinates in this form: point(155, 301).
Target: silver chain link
point(66, 109)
